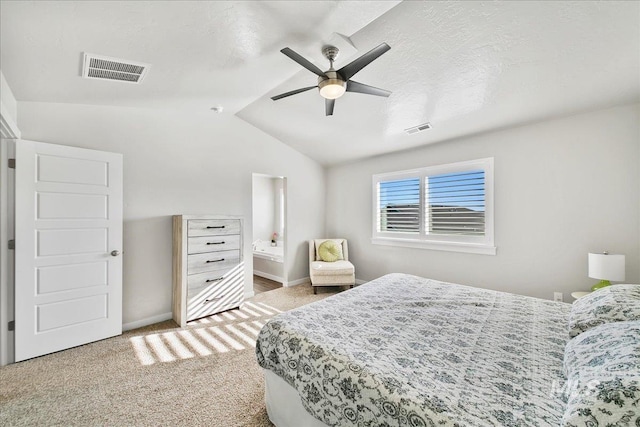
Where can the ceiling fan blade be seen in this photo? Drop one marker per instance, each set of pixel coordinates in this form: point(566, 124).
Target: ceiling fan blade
point(293, 92)
point(356, 65)
point(328, 106)
point(366, 89)
point(302, 61)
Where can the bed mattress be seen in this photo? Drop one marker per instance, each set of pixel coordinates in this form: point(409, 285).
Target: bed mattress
point(404, 350)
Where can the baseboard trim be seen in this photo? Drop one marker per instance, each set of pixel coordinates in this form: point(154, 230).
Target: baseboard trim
point(304, 280)
point(146, 322)
point(361, 282)
point(269, 276)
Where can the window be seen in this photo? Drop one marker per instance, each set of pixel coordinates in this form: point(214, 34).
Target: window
point(447, 207)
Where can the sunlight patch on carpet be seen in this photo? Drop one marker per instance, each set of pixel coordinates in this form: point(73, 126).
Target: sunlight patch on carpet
point(180, 350)
point(257, 307)
point(142, 351)
point(226, 338)
point(158, 347)
point(249, 328)
point(220, 333)
point(186, 344)
point(270, 308)
point(213, 342)
point(194, 343)
point(244, 337)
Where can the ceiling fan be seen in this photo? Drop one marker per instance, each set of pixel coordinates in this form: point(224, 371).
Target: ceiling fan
point(334, 83)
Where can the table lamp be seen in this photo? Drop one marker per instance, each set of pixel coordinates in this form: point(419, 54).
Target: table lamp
point(606, 267)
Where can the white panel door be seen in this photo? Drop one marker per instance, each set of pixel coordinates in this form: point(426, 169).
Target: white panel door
point(68, 228)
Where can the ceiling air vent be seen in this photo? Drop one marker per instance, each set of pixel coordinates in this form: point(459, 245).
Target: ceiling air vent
point(107, 68)
point(418, 128)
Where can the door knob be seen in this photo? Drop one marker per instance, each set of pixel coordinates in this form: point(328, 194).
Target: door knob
point(115, 253)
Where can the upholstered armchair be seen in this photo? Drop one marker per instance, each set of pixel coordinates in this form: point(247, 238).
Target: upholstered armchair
point(329, 263)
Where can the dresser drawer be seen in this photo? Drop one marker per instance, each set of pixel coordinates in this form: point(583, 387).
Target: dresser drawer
point(215, 289)
point(212, 227)
point(197, 245)
point(212, 299)
point(200, 280)
point(201, 263)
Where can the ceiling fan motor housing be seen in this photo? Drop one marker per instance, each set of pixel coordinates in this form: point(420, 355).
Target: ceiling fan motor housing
point(330, 52)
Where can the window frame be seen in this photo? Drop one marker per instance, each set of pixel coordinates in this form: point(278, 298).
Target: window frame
point(456, 243)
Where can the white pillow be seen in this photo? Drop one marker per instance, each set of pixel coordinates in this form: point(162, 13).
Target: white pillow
point(615, 303)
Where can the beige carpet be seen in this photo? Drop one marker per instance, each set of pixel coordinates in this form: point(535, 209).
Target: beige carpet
point(161, 375)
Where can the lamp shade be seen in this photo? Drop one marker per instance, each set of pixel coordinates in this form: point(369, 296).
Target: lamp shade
point(606, 266)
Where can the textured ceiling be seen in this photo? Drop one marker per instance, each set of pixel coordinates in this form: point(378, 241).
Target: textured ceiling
point(466, 67)
point(202, 53)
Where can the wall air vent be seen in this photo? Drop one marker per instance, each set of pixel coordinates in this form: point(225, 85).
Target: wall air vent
point(418, 128)
point(107, 68)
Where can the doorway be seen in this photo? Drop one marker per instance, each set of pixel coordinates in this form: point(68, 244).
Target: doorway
point(269, 211)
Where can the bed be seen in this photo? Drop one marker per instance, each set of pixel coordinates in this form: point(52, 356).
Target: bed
point(408, 351)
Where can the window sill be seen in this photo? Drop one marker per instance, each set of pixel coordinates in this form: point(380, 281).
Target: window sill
point(471, 248)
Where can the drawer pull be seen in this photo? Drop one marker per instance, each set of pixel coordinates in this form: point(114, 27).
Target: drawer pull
point(215, 226)
point(207, 301)
point(214, 260)
point(214, 280)
point(215, 243)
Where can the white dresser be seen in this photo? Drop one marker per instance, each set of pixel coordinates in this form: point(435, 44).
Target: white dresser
point(208, 271)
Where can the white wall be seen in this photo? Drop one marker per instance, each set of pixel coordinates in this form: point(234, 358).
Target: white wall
point(7, 99)
point(8, 111)
point(563, 188)
point(191, 163)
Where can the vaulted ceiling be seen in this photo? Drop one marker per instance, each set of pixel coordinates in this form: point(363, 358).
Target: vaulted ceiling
point(465, 67)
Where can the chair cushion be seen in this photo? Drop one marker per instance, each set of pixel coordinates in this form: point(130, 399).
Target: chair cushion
point(337, 268)
point(330, 251)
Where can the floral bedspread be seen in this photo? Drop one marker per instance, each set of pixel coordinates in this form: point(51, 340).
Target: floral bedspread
point(407, 351)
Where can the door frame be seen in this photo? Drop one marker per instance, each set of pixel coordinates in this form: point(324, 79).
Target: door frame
point(9, 132)
point(285, 217)
point(7, 176)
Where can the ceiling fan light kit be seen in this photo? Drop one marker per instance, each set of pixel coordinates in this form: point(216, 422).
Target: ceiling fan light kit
point(333, 84)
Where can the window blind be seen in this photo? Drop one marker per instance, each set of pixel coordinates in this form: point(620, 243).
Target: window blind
point(455, 203)
point(399, 206)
